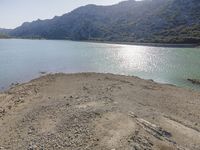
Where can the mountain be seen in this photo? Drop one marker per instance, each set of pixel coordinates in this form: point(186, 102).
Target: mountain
point(159, 21)
point(3, 36)
point(4, 33)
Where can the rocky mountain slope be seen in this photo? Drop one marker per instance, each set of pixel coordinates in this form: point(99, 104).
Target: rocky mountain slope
point(159, 21)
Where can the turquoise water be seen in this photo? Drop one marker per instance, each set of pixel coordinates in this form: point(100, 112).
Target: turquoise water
point(23, 60)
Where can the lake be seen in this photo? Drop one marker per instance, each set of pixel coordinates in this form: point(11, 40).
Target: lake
point(22, 60)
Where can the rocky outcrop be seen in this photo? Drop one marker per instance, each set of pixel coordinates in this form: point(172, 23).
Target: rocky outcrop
point(194, 81)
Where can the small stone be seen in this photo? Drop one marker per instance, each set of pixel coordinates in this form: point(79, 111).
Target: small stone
point(30, 131)
point(32, 147)
point(84, 88)
point(9, 107)
point(133, 115)
point(2, 111)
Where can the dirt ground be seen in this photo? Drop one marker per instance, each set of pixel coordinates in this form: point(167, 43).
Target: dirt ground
point(90, 111)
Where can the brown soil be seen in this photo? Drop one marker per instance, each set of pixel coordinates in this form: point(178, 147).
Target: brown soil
point(90, 111)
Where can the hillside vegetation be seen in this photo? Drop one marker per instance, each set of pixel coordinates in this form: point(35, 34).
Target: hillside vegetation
point(2, 36)
point(157, 21)
point(4, 33)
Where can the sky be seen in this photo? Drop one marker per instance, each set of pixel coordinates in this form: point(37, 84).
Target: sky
point(14, 12)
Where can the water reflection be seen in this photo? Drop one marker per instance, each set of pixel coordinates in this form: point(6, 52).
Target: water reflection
point(134, 58)
point(22, 60)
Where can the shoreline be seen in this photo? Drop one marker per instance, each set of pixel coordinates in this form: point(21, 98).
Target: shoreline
point(122, 43)
point(149, 44)
point(98, 111)
point(44, 73)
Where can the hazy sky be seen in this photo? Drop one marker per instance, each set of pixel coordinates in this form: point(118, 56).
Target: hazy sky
point(14, 12)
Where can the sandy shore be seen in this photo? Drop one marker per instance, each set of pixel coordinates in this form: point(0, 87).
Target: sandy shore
point(90, 111)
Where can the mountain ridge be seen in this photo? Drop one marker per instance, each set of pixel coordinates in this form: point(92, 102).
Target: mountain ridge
point(149, 21)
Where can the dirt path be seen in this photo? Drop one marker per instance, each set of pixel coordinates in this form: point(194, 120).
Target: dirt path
point(92, 111)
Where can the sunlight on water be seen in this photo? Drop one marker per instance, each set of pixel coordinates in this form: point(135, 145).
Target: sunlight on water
point(134, 58)
point(22, 60)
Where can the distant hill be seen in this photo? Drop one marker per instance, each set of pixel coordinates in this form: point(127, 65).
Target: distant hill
point(2, 36)
point(4, 33)
point(157, 21)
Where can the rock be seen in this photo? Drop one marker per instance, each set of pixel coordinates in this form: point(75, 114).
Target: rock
point(32, 147)
point(2, 110)
point(194, 81)
point(30, 132)
point(131, 114)
point(14, 84)
point(84, 88)
point(9, 107)
point(43, 72)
